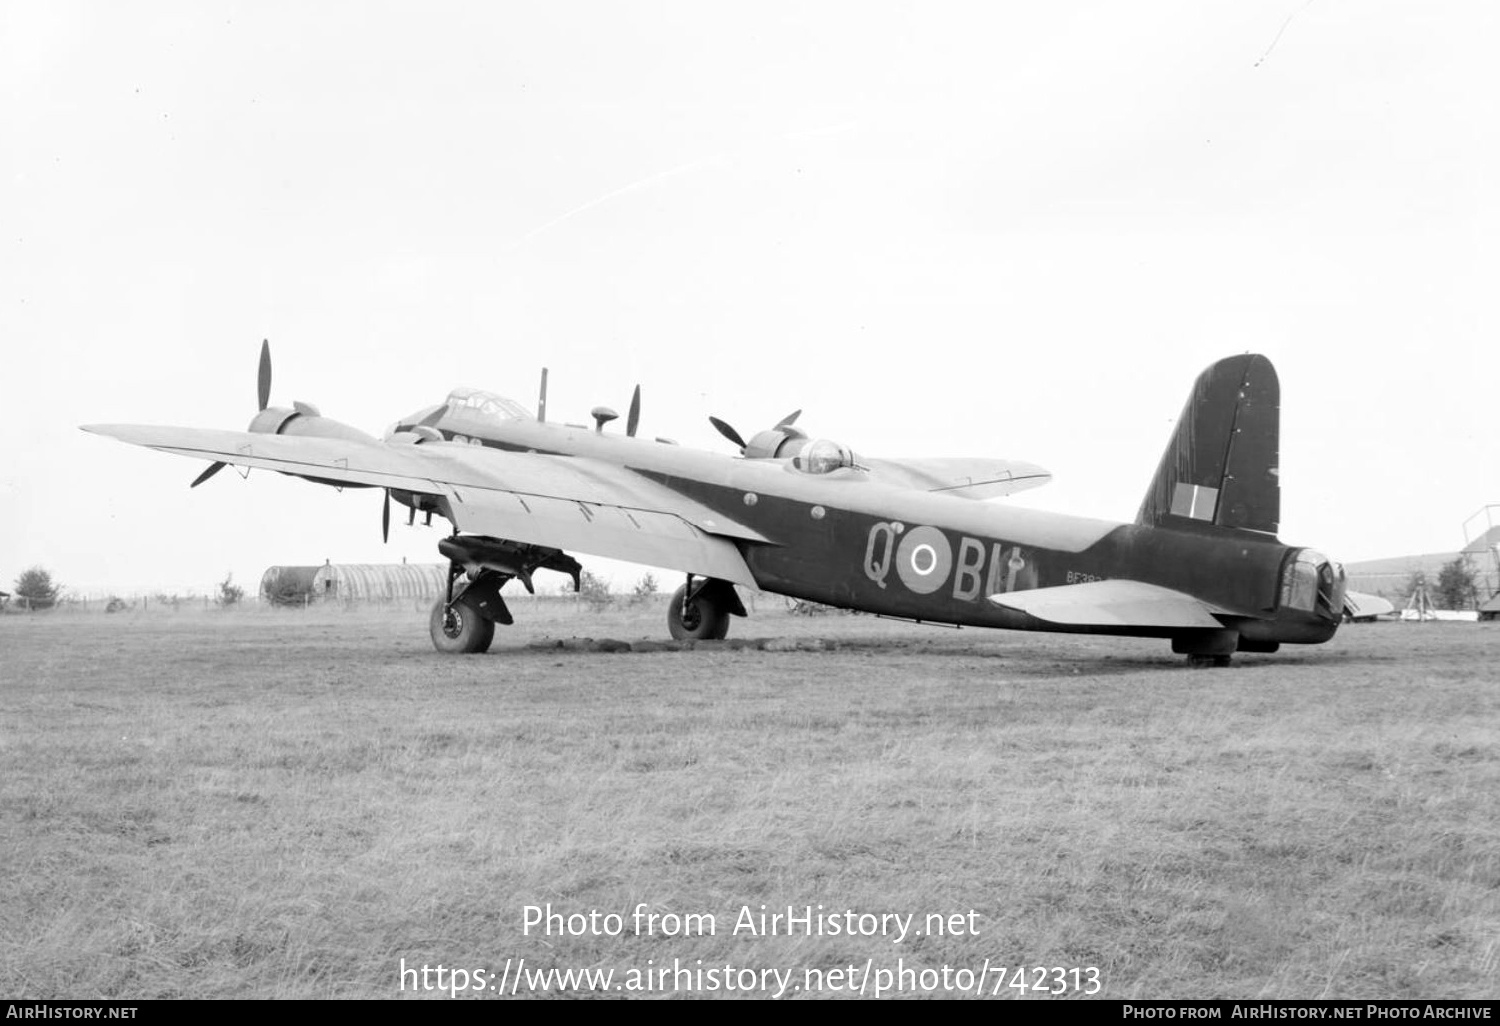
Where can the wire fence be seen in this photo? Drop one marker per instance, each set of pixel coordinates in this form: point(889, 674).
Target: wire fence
point(160, 603)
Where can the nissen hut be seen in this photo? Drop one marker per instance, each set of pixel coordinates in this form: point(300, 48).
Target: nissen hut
point(354, 582)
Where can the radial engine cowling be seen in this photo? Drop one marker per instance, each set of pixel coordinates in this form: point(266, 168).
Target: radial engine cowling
point(304, 419)
point(774, 443)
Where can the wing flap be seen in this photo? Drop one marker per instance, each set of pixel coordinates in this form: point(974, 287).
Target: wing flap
point(652, 537)
point(1114, 603)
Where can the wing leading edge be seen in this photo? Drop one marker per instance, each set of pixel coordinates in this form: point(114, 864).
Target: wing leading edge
point(572, 503)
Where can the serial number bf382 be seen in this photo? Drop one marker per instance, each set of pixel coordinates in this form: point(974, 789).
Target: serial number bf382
point(1201, 565)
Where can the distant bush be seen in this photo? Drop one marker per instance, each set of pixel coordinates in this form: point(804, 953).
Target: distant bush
point(230, 594)
point(288, 588)
point(35, 589)
point(115, 604)
point(645, 589)
point(595, 591)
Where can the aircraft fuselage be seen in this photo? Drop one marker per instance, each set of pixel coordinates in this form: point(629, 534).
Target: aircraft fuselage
point(845, 540)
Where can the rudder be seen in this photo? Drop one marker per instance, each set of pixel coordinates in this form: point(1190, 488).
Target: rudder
point(1220, 466)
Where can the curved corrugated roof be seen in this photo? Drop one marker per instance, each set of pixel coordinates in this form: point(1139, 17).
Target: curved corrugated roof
point(365, 582)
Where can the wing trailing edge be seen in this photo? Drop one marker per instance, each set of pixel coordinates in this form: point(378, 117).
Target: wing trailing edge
point(963, 476)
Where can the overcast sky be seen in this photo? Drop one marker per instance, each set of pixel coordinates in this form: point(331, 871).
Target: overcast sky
point(996, 229)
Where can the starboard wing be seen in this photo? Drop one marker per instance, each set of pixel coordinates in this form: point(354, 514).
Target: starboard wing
point(573, 503)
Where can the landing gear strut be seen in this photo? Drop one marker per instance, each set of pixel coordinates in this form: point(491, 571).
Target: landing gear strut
point(700, 610)
point(465, 622)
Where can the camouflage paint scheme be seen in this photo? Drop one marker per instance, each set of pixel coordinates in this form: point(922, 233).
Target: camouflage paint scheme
point(906, 538)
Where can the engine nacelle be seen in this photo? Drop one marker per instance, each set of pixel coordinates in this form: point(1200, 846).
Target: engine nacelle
point(774, 443)
point(305, 420)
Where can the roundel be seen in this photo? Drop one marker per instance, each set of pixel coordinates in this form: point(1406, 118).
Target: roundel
point(923, 559)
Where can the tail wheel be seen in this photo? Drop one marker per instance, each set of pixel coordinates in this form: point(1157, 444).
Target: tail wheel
point(700, 619)
point(460, 628)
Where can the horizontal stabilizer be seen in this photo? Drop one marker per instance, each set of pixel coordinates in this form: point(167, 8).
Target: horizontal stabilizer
point(1359, 606)
point(1111, 604)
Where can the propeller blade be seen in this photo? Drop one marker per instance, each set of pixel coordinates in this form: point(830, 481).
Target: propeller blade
point(633, 420)
point(263, 379)
point(213, 468)
point(541, 400)
point(385, 518)
point(789, 419)
point(727, 431)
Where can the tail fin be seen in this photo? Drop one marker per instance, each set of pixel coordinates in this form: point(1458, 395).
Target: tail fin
point(1220, 466)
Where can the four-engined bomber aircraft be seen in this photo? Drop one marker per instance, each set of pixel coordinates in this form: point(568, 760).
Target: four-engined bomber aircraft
point(807, 518)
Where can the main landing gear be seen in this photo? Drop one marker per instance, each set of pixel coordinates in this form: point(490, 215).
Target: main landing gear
point(458, 627)
point(463, 620)
point(700, 611)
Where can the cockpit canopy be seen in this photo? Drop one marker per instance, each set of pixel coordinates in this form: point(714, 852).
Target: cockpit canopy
point(466, 403)
point(478, 402)
point(821, 456)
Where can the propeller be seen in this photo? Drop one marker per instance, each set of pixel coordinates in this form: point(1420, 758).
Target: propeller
point(603, 415)
point(263, 379)
point(385, 517)
point(213, 468)
point(727, 431)
point(734, 436)
point(263, 397)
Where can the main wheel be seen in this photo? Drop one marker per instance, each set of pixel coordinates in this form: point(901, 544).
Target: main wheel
point(461, 628)
point(700, 620)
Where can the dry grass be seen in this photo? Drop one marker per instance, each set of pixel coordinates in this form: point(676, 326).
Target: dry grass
point(210, 804)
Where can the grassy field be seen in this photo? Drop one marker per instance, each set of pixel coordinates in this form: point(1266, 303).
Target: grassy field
point(258, 804)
